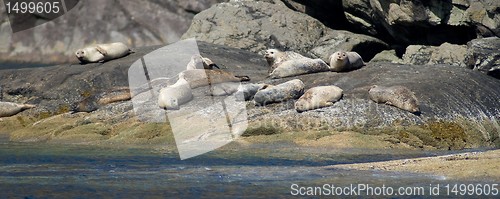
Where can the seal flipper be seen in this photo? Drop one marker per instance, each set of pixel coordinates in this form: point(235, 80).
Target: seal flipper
point(243, 78)
point(101, 50)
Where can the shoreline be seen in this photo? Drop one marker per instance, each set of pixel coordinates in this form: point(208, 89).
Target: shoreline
point(461, 166)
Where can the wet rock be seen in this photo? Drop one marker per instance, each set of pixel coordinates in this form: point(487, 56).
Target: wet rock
point(484, 55)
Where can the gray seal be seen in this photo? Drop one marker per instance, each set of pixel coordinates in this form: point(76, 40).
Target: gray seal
point(102, 52)
point(201, 77)
point(249, 90)
point(8, 109)
point(197, 61)
point(292, 89)
point(318, 97)
point(275, 57)
point(297, 67)
point(398, 96)
point(341, 61)
point(171, 97)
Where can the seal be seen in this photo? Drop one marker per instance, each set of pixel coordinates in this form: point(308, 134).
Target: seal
point(197, 61)
point(301, 66)
point(171, 97)
point(96, 101)
point(341, 61)
point(275, 57)
point(222, 89)
point(318, 97)
point(102, 52)
point(292, 89)
point(249, 90)
point(202, 77)
point(398, 96)
point(8, 109)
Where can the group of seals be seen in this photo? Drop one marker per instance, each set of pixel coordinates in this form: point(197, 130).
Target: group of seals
point(288, 63)
point(220, 83)
point(102, 52)
point(8, 109)
point(398, 96)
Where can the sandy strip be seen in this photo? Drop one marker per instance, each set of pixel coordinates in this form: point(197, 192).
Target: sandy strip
point(464, 166)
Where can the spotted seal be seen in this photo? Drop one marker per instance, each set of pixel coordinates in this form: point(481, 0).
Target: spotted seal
point(318, 97)
point(398, 96)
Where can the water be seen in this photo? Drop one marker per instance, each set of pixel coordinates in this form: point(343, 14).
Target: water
point(70, 171)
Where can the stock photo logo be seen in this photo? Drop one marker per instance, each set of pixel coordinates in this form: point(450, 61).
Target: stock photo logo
point(26, 14)
point(170, 85)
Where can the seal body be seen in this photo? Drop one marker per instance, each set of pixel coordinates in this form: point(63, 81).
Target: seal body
point(173, 96)
point(96, 101)
point(318, 97)
point(249, 90)
point(8, 109)
point(201, 77)
point(341, 61)
point(275, 57)
point(199, 62)
point(301, 66)
point(398, 96)
point(292, 89)
point(102, 52)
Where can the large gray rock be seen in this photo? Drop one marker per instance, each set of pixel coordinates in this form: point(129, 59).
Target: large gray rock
point(429, 55)
point(424, 22)
point(135, 23)
point(484, 55)
point(259, 25)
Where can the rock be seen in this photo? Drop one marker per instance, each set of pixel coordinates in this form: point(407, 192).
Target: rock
point(429, 55)
point(143, 23)
point(454, 21)
point(273, 25)
point(457, 105)
point(387, 56)
point(483, 55)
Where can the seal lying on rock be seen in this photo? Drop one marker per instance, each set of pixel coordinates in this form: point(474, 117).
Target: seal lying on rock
point(318, 97)
point(95, 101)
point(249, 90)
point(173, 96)
point(341, 61)
point(201, 77)
point(292, 89)
point(296, 67)
point(197, 61)
point(8, 109)
point(102, 52)
point(398, 96)
point(275, 57)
